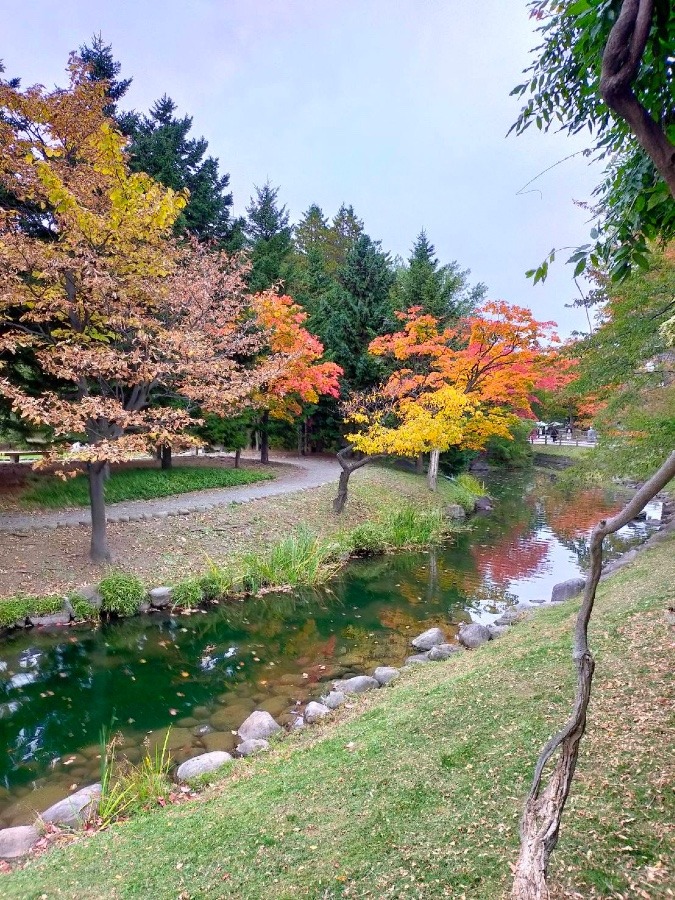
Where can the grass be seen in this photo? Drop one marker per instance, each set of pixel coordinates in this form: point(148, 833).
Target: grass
point(137, 484)
point(18, 608)
point(417, 790)
point(128, 788)
point(568, 450)
point(407, 528)
point(302, 558)
point(121, 593)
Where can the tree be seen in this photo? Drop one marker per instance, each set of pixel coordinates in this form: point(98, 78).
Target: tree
point(440, 291)
point(301, 377)
point(269, 239)
point(102, 66)
point(117, 316)
point(614, 74)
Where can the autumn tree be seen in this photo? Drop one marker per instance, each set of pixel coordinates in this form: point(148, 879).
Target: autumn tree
point(607, 67)
point(115, 314)
point(301, 376)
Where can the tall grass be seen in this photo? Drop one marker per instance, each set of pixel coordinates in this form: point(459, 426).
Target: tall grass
point(137, 484)
point(407, 528)
point(471, 484)
point(301, 558)
point(128, 788)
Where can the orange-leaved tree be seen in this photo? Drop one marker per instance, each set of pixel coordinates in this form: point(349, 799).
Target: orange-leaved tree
point(300, 376)
point(452, 387)
point(111, 315)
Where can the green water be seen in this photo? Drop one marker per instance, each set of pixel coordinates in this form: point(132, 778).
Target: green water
point(208, 671)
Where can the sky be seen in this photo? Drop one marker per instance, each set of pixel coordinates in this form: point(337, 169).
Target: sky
point(398, 107)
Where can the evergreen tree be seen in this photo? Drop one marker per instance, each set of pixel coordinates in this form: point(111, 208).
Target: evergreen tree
point(311, 232)
point(269, 239)
point(442, 291)
point(345, 229)
point(102, 66)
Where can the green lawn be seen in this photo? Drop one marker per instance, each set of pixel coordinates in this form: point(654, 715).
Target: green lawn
point(137, 484)
point(417, 791)
point(570, 450)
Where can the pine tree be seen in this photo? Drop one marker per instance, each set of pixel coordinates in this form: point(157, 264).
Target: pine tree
point(269, 239)
point(102, 66)
point(311, 232)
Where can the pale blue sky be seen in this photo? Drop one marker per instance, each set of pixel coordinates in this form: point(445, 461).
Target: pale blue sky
point(399, 107)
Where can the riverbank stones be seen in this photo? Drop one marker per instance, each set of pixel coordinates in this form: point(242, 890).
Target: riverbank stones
point(202, 765)
point(454, 511)
point(496, 631)
point(428, 639)
point(62, 618)
point(315, 712)
point(16, 842)
point(385, 674)
point(76, 810)
point(510, 617)
point(483, 504)
point(417, 658)
point(356, 685)
point(248, 748)
point(160, 597)
point(473, 636)
point(564, 590)
point(443, 651)
point(258, 726)
point(333, 699)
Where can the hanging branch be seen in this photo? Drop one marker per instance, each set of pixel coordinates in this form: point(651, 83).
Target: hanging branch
point(544, 805)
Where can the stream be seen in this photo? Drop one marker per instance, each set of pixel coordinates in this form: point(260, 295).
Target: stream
point(201, 674)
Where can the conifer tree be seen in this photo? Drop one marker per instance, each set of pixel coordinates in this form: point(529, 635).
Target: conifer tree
point(269, 238)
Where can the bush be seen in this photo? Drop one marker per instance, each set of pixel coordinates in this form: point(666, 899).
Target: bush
point(472, 484)
point(82, 608)
point(367, 539)
point(122, 594)
point(187, 595)
point(300, 559)
point(411, 527)
point(217, 583)
point(16, 609)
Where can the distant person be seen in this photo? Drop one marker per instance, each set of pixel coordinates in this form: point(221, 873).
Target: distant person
point(555, 435)
point(568, 432)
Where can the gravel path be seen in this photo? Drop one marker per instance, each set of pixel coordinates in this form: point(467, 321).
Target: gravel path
point(306, 472)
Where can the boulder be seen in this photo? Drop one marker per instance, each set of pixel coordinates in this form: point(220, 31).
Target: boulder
point(566, 589)
point(483, 504)
point(497, 631)
point(333, 699)
point(91, 595)
point(201, 730)
point(473, 636)
point(62, 618)
point(454, 511)
point(417, 658)
point(356, 685)
point(385, 674)
point(218, 740)
point(248, 748)
point(443, 651)
point(510, 617)
point(315, 712)
point(297, 723)
point(17, 841)
point(160, 597)
point(428, 639)
point(202, 764)
point(75, 810)
point(258, 726)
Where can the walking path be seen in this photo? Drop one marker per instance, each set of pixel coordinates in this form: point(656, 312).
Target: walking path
point(307, 472)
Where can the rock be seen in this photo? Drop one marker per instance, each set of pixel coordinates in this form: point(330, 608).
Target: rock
point(248, 748)
point(258, 726)
point(428, 639)
point(16, 842)
point(333, 699)
point(55, 619)
point(454, 511)
point(160, 597)
point(356, 685)
point(566, 589)
point(314, 712)
point(91, 595)
point(443, 651)
point(201, 730)
point(539, 600)
point(385, 674)
point(218, 740)
point(483, 504)
point(497, 631)
point(297, 724)
point(75, 810)
point(510, 617)
point(473, 636)
point(202, 765)
point(144, 607)
point(418, 658)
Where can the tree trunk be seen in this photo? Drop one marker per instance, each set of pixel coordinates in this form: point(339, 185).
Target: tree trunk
point(343, 488)
point(99, 551)
point(165, 456)
point(543, 810)
point(419, 464)
point(349, 466)
point(432, 474)
point(237, 457)
point(264, 438)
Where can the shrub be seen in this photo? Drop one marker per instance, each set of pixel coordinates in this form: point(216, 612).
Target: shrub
point(472, 484)
point(300, 559)
point(216, 583)
point(16, 609)
point(410, 527)
point(127, 788)
point(368, 539)
point(121, 593)
point(187, 595)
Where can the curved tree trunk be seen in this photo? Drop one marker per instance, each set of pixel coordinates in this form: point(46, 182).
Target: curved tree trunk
point(544, 806)
point(264, 438)
point(432, 473)
point(99, 551)
point(349, 464)
point(165, 456)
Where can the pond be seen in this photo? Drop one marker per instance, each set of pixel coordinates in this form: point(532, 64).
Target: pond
point(202, 674)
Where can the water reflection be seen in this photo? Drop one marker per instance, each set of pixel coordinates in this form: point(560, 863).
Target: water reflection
point(202, 674)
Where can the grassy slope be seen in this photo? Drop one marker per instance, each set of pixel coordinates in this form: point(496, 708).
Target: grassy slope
point(137, 484)
point(569, 450)
point(417, 791)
